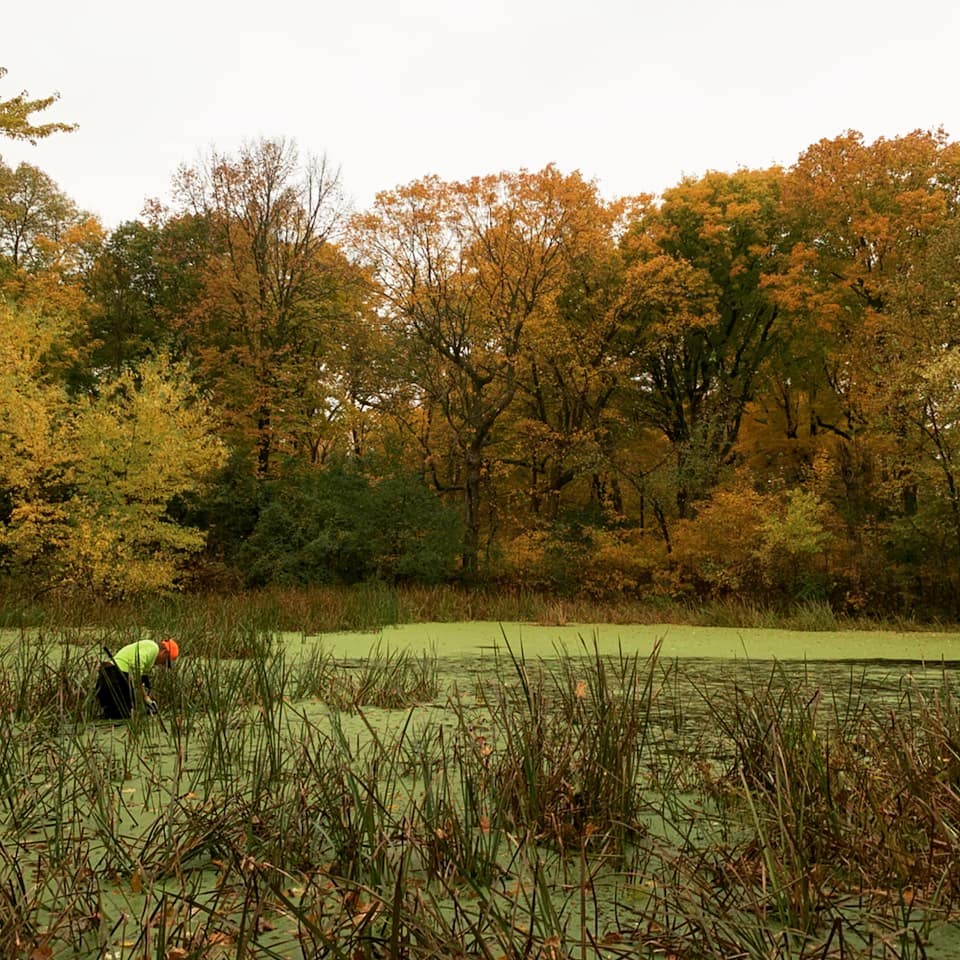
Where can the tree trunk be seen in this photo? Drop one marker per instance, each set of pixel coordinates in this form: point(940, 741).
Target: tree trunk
point(472, 502)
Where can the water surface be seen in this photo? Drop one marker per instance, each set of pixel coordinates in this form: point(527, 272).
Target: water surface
point(479, 638)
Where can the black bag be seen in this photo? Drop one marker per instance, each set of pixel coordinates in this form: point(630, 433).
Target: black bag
point(114, 691)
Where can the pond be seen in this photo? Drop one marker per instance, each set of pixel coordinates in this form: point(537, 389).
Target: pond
point(474, 639)
point(249, 821)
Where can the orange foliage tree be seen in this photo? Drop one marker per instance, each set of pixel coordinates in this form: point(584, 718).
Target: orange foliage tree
point(701, 325)
point(276, 297)
point(871, 284)
point(470, 275)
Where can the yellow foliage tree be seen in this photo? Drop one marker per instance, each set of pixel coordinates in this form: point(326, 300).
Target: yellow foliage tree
point(33, 454)
point(750, 544)
point(89, 482)
point(16, 112)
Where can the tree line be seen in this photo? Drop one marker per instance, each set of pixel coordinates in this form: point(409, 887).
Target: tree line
point(747, 386)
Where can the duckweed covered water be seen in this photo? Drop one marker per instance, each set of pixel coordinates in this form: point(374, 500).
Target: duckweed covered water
point(166, 841)
point(477, 639)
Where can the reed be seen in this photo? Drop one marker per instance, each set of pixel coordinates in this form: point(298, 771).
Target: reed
point(293, 804)
point(212, 617)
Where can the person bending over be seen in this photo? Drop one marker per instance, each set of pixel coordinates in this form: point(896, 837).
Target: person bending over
point(116, 679)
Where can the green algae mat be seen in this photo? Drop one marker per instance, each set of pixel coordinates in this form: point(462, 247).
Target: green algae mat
point(729, 643)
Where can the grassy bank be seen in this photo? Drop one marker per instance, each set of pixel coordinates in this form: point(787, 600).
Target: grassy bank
point(372, 606)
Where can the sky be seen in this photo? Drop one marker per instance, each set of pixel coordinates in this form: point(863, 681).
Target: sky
point(634, 94)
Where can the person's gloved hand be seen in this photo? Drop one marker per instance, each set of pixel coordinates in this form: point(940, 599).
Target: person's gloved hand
point(151, 707)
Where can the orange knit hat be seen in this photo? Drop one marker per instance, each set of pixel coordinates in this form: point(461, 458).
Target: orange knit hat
point(172, 648)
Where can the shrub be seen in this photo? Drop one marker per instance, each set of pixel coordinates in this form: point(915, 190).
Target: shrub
point(571, 558)
point(716, 551)
point(336, 525)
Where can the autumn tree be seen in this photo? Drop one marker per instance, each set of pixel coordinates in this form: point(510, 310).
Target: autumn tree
point(34, 215)
point(748, 543)
point(142, 443)
point(701, 320)
point(913, 401)
point(88, 482)
point(467, 272)
point(46, 243)
point(563, 426)
point(16, 117)
point(273, 290)
point(859, 215)
point(871, 281)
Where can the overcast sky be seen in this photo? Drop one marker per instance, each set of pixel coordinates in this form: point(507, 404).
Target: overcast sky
point(633, 93)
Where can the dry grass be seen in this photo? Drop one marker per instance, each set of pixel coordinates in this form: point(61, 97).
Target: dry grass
point(216, 617)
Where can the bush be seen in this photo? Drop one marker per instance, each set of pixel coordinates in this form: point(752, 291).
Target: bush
point(336, 525)
point(582, 559)
point(757, 546)
point(716, 552)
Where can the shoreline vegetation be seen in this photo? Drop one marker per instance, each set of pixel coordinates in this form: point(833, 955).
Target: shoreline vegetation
point(742, 392)
point(373, 606)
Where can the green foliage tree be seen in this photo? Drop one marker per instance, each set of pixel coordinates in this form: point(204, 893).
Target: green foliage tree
point(339, 525)
point(144, 279)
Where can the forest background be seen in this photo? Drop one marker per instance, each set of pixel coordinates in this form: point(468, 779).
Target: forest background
point(747, 387)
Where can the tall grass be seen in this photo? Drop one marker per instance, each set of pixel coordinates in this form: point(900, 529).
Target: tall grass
point(574, 806)
point(224, 617)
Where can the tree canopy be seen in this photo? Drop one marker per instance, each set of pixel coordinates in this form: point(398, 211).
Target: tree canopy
point(747, 386)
